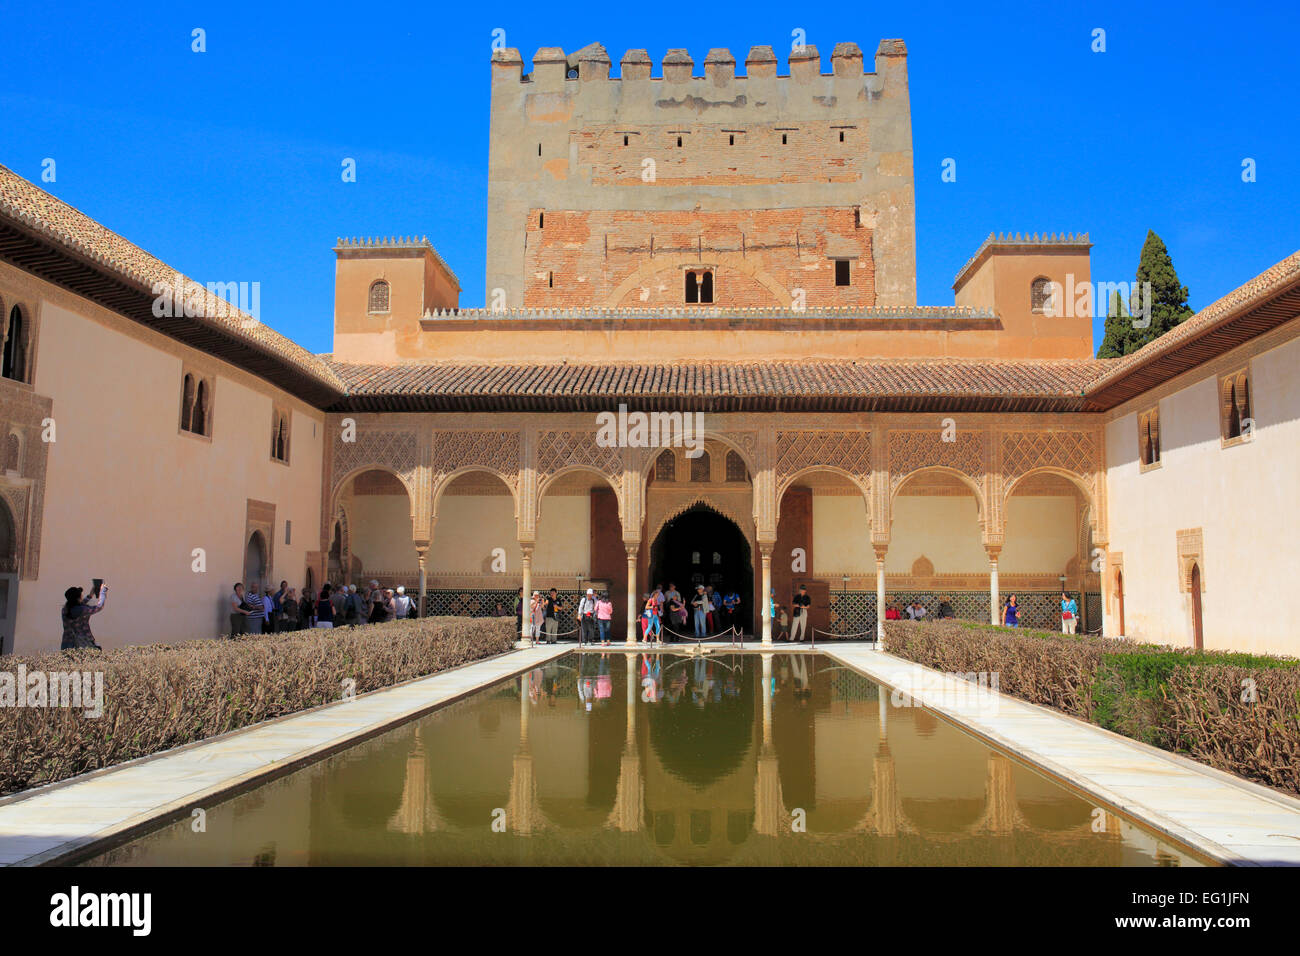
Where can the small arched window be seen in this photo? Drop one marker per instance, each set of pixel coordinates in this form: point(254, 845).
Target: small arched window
point(1236, 414)
point(665, 467)
point(280, 436)
point(692, 288)
point(15, 352)
point(706, 288)
point(187, 404)
point(200, 421)
point(736, 470)
point(700, 467)
point(1040, 297)
point(1149, 437)
point(378, 298)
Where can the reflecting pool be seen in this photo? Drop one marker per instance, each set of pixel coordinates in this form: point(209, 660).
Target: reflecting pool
point(629, 758)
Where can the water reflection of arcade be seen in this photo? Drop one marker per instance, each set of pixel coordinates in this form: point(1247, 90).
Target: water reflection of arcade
point(710, 761)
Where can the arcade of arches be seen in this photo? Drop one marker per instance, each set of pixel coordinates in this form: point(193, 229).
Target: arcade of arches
point(863, 509)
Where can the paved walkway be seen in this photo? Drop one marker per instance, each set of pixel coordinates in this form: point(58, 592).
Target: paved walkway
point(50, 822)
point(1229, 819)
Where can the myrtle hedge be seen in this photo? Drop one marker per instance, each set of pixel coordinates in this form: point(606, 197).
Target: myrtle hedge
point(1236, 712)
point(160, 696)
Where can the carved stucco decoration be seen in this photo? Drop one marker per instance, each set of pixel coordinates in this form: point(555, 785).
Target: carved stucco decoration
point(664, 506)
point(495, 450)
point(846, 452)
point(911, 451)
point(22, 412)
point(15, 497)
point(393, 450)
point(1074, 453)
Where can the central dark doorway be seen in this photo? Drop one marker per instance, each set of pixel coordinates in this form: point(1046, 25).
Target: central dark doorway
point(701, 546)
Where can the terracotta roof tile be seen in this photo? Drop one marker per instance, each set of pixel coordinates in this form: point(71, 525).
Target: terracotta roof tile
point(759, 385)
point(72, 230)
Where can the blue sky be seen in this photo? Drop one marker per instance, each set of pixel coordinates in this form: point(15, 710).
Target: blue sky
point(226, 164)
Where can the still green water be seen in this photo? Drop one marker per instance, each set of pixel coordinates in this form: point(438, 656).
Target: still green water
point(615, 758)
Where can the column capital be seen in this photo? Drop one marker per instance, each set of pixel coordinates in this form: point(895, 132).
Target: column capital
point(881, 549)
point(993, 550)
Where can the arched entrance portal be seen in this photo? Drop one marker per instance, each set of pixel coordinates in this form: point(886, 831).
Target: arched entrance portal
point(702, 546)
point(255, 559)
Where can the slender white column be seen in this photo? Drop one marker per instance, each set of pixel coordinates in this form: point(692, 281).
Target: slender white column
point(526, 618)
point(419, 597)
point(632, 610)
point(880, 595)
point(995, 603)
point(766, 597)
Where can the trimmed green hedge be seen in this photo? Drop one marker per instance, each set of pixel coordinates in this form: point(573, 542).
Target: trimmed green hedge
point(1234, 711)
point(159, 696)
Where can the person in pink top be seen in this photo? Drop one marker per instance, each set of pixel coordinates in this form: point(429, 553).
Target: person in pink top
point(604, 616)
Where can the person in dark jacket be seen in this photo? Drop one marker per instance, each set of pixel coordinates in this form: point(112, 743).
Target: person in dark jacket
point(76, 618)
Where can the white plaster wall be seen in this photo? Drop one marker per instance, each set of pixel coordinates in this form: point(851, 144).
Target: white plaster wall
point(379, 532)
point(944, 528)
point(128, 497)
point(1041, 535)
point(842, 535)
point(470, 526)
point(1244, 499)
point(563, 535)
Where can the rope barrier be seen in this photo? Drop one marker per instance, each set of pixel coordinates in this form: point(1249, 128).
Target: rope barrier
point(818, 630)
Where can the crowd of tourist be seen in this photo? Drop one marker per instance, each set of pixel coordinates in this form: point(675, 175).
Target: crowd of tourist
point(254, 611)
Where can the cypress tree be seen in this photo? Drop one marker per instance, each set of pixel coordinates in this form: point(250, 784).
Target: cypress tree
point(1118, 327)
point(1168, 303)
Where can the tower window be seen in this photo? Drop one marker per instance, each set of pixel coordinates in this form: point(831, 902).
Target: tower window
point(783, 141)
point(1040, 296)
point(699, 287)
point(379, 296)
point(841, 136)
point(679, 141)
point(541, 220)
point(539, 149)
point(731, 140)
point(841, 271)
point(624, 140)
point(550, 280)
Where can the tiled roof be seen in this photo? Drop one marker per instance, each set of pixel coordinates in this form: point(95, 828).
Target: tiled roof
point(1269, 299)
point(838, 386)
point(68, 230)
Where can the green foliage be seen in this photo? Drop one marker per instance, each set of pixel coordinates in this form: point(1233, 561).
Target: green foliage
point(1182, 700)
point(1168, 303)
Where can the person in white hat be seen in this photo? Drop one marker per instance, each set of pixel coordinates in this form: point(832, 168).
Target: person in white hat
point(587, 617)
point(402, 603)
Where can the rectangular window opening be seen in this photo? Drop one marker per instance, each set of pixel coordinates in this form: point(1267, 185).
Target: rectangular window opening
point(841, 271)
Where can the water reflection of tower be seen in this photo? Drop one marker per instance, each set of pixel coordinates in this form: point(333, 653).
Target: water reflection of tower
point(699, 762)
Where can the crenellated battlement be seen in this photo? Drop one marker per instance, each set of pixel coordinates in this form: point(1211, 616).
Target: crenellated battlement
point(551, 65)
point(768, 148)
